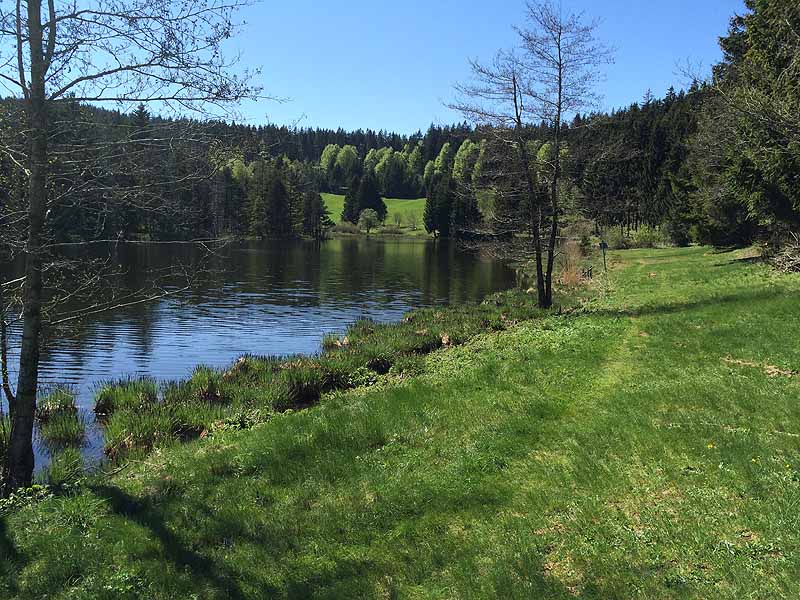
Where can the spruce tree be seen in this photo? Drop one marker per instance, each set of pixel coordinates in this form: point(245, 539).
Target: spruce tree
point(316, 220)
point(369, 196)
point(278, 222)
point(350, 211)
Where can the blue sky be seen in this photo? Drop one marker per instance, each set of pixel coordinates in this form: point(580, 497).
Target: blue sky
point(392, 65)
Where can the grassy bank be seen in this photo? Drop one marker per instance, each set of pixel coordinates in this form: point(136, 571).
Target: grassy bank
point(644, 445)
point(408, 211)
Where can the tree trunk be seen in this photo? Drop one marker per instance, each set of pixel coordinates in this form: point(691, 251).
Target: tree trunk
point(554, 204)
point(20, 455)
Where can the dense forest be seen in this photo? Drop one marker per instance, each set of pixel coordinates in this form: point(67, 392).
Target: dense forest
point(716, 163)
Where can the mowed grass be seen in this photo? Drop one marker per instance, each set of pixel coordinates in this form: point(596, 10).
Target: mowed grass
point(395, 206)
point(646, 445)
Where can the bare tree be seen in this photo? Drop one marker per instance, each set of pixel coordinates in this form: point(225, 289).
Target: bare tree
point(550, 76)
point(57, 53)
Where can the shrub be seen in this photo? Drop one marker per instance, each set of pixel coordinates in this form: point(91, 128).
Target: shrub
point(368, 220)
point(578, 229)
point(586, 245)
point(616, 239)
point(348, 228)
point(648, 237)
point(645, 237)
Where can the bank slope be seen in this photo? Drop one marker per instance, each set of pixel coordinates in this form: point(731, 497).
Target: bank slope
point(646, 446)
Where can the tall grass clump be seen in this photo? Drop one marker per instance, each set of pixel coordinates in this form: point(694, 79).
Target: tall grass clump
point(60, 424)
point(65, 469)
point(206, 384)
point(59, 401)
point(63, 430)
point(130, 431)
point(126, 394)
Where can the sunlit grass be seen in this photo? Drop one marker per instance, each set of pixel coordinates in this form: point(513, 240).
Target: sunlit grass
point(641, 444)
point(409, 211)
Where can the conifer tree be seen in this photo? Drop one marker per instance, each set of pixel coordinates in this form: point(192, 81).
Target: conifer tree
point(279, 216)
point(438, 205)
point(369, 196)
point(351, 210)
point(316, 219)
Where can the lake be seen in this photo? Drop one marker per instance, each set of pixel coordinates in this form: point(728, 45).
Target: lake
point(265, 298)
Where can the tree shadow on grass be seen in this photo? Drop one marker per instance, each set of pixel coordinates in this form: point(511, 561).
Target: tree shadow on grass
point(666, 308)
point(201, 567)
point(10, 560)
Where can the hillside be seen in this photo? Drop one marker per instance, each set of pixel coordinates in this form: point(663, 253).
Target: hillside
point(395, 206)
point(644, 445)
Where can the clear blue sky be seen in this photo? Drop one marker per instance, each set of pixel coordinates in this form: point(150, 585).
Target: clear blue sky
point(391, 65)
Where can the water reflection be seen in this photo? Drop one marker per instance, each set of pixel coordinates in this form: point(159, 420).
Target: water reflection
point(259, 298)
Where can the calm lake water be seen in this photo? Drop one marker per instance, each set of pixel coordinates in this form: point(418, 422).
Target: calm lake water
point(257, 298)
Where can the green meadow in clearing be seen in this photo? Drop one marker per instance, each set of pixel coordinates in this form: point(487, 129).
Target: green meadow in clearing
point(395, 206)
point(645, 445)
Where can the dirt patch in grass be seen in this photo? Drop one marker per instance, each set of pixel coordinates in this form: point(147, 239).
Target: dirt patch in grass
point(769, 370)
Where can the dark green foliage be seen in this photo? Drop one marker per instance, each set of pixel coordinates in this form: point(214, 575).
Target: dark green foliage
point(464, 213)
point(369, 197)
point(439, 205)
point(363, 194)
point(351, 212)
point(316, 220)
point(760, 118)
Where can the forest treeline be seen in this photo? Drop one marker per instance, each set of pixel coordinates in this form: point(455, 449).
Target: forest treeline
point(716, 163)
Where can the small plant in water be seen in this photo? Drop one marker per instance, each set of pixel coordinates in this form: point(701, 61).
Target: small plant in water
point(58, 402)
point(127, 394)
point(62, 430)
point(60, 424)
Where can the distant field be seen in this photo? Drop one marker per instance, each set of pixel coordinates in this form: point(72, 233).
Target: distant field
point(335, 204)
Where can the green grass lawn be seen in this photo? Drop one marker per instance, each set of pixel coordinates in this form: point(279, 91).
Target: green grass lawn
point(645, 445)
point(395, 206)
